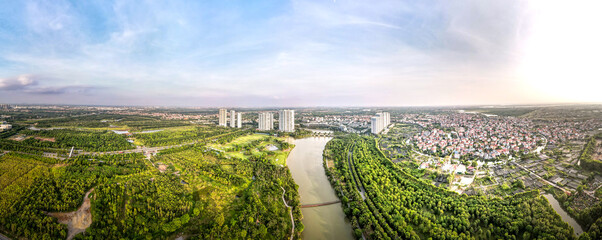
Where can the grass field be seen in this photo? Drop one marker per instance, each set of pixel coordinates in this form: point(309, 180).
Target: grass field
point(244, 147)
point(247, 139)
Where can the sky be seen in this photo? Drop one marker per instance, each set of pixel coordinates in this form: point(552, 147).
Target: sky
point(300, 53)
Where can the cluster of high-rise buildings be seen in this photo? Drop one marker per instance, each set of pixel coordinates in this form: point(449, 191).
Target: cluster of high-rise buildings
point(286, 120)
point(235, 119)
point(379, 122)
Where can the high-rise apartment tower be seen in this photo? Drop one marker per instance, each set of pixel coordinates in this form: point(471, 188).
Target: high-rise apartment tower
point(286, 121)
point(232, 118)
point(223, 117)
point(265, 121)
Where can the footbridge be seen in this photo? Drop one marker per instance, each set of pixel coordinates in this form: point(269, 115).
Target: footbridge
point(322, 134)
point(320, 204)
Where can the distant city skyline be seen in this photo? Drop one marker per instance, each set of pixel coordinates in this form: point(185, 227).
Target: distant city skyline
point(300, 53)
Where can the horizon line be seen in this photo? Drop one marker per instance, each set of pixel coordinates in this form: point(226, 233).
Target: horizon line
point(522, 105)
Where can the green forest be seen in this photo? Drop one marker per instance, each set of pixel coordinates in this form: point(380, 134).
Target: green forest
point(179, 135)
point(397, 205)
point(187, 190)
point(90, 140)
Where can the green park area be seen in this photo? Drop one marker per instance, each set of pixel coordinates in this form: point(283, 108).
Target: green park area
point(189, 190)
point(274, 149)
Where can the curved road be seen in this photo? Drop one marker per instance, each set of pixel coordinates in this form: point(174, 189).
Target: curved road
point(360, 186)
point(290, 212)
point(352, 169)
point(2, 237)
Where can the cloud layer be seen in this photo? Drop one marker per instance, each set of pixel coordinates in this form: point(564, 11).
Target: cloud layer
point(16, 83)
point(265, 53)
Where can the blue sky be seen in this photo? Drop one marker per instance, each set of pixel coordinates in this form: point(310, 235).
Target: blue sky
point(295, 53)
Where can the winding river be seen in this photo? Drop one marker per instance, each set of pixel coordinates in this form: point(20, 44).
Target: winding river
point(305, 164)
point(563, 214)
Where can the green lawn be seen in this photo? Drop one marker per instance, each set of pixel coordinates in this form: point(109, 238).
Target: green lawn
point(278, 156)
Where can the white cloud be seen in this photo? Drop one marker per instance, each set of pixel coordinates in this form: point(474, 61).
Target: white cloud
point(17, 83)
point(351, 52)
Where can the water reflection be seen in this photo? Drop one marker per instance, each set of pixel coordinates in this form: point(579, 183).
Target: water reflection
point(563, 214)
point(305, 163)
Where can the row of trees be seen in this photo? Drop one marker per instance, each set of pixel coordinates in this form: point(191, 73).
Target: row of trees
point(98, 141)
point(90, 121)
point(10, 145)
point(398, 205)
point(179, 136)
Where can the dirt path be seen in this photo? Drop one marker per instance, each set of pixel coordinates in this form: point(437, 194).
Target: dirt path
point(78, 220)
point(290, 212)
point(2, 237)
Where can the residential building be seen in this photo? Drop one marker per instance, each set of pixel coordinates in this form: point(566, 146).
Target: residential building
point(379, 122)
point(239, 120)
point(265, 121)
point(232, 118)
point(375, 125)
point(286, 121)
point(387, 119)
point(223, 117)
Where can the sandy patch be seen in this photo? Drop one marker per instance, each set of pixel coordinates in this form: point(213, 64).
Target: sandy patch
point(78, 220)
point(45, 139)
point(330, 163)
point(18, 138)
point(162, 167)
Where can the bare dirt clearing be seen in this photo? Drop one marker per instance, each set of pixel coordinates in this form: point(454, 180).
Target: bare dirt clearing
point(162, 167)
point(78, 220)
point(43, 139)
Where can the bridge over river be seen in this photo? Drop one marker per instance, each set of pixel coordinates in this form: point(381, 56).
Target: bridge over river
point(321, 134)
point(319, 204)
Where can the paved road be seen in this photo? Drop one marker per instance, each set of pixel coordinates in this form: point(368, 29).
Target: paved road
point(361, 190)
point(546, 181)
point(590, 193)
point(352, 169)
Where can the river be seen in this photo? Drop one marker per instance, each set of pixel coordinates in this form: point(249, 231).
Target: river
point(305, 164)
point(563, 214)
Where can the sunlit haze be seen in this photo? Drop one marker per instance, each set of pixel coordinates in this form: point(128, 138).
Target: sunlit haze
point(300, 53)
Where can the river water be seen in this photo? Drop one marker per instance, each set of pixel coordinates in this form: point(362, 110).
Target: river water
point(305, 163)
point(563, 214)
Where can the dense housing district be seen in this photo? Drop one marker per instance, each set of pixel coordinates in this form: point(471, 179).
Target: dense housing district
point(486, 153)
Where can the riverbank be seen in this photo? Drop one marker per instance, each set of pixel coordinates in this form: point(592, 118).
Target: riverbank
point(563, 214)
point(305, 162)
